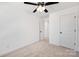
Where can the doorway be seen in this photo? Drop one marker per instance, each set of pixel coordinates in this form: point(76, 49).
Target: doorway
point(43, 26)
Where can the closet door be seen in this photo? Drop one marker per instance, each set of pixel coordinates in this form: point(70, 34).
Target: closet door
point(68, 30)
point(77, 41)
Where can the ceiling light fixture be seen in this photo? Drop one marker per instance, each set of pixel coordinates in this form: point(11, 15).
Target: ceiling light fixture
point(40, 8)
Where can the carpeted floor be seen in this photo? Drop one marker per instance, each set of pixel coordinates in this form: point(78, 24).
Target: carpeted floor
point(42, 49)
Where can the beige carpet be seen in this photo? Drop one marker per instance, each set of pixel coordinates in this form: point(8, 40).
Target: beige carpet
point(42, 49)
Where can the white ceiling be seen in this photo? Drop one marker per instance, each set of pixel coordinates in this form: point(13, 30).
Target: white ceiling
point(52, 8)
point(61, 6)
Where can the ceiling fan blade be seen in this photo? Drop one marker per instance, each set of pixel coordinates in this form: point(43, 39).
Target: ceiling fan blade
point(50, 3)
point(30, 3)
point(46, 10)
point(34, 10)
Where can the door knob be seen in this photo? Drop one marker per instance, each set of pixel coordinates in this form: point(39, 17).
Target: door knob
point(60, 32)
point(40, 31)
point(74, 30)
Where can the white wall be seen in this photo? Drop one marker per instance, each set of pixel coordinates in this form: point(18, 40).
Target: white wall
point(54, 29)
point(54, 22)
point(17, 28)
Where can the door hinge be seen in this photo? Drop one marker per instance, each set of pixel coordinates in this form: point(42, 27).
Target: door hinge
point(74, 16)
point(74, 30)
point(60, 32)
point(74, 43)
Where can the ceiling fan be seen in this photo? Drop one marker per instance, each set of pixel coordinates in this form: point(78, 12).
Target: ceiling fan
point(41, 6)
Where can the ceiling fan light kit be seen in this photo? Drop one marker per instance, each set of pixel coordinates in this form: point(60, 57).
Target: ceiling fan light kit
point(41, 6)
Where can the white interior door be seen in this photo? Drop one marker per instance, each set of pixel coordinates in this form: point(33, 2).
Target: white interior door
point(77, 41)
point(46, 36)
point(68, 30)
point(41, 28)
